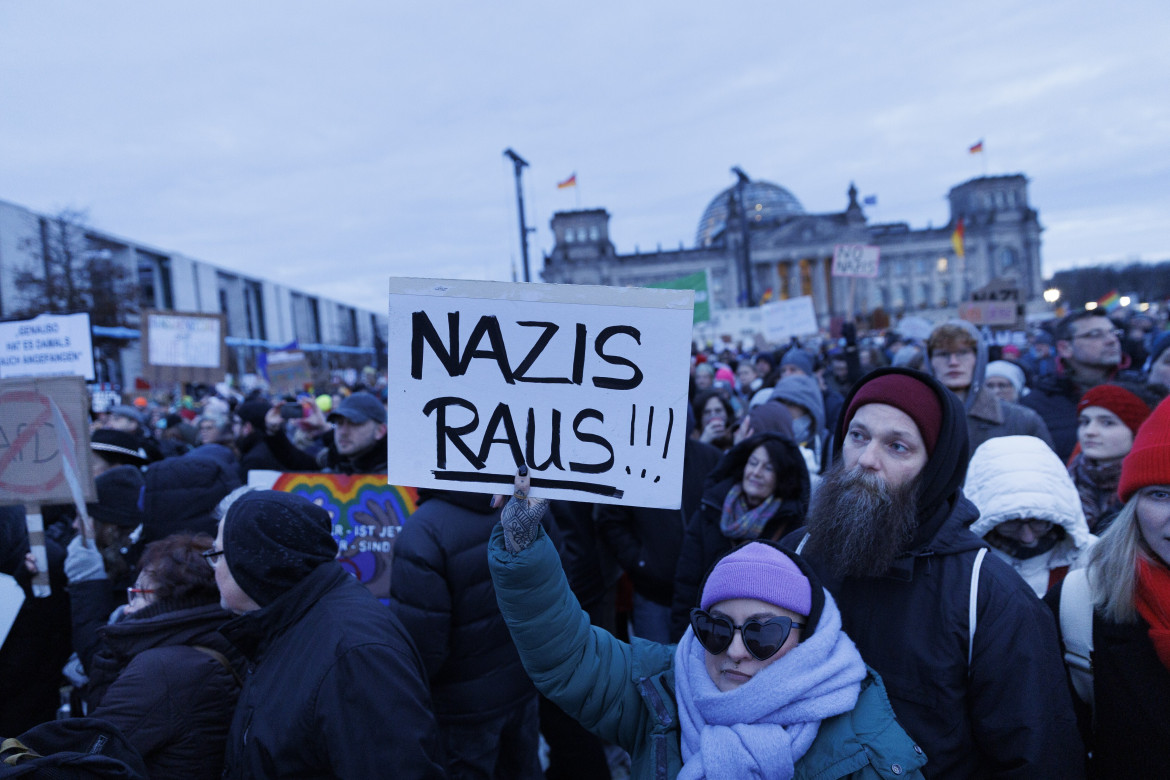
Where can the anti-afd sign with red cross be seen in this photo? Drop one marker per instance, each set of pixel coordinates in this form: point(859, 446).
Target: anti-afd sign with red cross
point(44, 441)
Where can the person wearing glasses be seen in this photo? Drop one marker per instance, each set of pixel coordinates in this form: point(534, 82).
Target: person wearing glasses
point(958, 358)
point(163, 674)
point(764, 683)
point(1088, 348)
point(1029, 510)
point(335, 684)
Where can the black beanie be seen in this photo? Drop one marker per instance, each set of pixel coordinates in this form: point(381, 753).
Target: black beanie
point(272, 540)
point(120, 497)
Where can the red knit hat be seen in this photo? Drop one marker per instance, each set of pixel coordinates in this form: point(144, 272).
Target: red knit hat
point(906, 393)
point(1127, 406)
point(1148, 463)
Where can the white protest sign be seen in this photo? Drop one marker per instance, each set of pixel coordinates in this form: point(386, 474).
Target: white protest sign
point(48, 345)
point(855, 260)
point(788, 318)
point(11, 597)
point(189, 341)
point(585, 385)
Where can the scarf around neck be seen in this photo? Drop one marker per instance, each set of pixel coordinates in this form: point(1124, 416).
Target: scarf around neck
point(741, 522)
point(1152, 599)
point(763, 727)
point(1097, 486)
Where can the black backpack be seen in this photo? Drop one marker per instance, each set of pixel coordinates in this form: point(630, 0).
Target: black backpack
point(71, 749)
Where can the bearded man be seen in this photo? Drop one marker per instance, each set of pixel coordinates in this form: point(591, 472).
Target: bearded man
point(887, 533)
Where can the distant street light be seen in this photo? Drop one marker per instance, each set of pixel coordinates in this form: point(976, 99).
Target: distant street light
point(1125, 300)
point(1051, 295)
point(520, 164)
point(741, 180)
point(1091, 305)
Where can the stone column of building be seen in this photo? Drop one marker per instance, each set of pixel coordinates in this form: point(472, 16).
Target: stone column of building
point(820, 291)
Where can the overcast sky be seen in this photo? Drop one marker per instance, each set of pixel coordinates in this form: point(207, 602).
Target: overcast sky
point(329, 146)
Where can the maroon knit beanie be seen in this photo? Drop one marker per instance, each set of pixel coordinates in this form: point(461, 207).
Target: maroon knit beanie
point(1148, 463)
point(906, 393)
point(1131, 409)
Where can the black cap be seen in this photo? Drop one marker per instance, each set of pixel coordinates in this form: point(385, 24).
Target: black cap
point(118, 446)
point(273, 540)
point(360, 407)
point(120, 493)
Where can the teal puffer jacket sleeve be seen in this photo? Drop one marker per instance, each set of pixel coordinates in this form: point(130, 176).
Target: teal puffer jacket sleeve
point(586, 671)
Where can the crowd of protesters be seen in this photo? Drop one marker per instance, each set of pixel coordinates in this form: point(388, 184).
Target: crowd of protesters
point(936, 556)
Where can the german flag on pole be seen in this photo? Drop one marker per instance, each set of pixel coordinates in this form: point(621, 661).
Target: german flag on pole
point(976, 147)
point(569, 182)
point(957, 239)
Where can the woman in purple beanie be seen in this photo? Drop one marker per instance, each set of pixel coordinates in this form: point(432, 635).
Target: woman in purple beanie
point(763, 684)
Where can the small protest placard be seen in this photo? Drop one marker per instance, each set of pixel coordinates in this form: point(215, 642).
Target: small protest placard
point(367, 516)
point(856, 260)
point(585, 385)
point(44, 441)
point(184, 347)
point(794, 317)
point(50, 344)
point(288, 371)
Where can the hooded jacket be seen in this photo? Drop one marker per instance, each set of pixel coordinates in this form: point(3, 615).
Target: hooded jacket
point(1008, 714)
point(703, 541)
point(988, 415)
point(172, 701)
point(1020, 477)
point(805, 392)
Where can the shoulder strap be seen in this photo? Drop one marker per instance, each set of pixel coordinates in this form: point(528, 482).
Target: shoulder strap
point(1076, 628)
point(803, 542)
point(13, 751)
point(224, 662)
point(973, 606)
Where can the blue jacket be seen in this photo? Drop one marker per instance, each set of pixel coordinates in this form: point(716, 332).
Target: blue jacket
point(624, 693)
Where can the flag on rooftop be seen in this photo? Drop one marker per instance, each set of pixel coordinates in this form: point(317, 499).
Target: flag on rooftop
point(870, 200)
point(569, 182)
point(957, 239)
point(976, 147)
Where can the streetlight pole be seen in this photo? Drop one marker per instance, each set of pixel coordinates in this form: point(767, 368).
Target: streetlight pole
point(742, 179)
point(519, 163)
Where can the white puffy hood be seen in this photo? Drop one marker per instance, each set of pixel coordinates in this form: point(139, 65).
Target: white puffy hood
point(1017, 477)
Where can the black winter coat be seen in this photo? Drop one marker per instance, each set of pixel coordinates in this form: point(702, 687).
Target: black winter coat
point(646, 542)
point(335, 688)
point(173, 702)
point(703, 541)
point(1128, 734)
point(441, 590)
point(1008, 713)
point(1055, 399)
point(292, 458)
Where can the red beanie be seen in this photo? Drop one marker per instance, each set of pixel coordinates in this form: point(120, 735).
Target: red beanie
point(1127, 406)
point(906, 393)
point(1148, 463)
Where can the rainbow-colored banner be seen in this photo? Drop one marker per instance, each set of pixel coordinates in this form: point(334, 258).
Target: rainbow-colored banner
point(1109, 301)
point(367, 516)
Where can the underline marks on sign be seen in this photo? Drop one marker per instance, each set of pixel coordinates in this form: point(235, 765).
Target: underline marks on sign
point(540, 482)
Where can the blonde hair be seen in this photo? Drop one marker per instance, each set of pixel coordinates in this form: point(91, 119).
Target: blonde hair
point(1113, 565)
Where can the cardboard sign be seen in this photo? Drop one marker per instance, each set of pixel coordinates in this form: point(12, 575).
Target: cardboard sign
point(586, 385)
point(48, 345)
point(367, 516)
point(856, 260)
point(288, 371)
point(184, 347)
point(44, 441)
point(794, 317)
point(988, 313)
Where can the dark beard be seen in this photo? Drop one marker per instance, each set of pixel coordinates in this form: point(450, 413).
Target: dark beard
point(857, 524)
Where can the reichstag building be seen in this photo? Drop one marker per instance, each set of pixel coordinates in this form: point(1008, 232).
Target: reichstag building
point(790, 252)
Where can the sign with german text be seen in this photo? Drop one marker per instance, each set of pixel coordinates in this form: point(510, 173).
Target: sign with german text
point(585, 385)
point(856, 260)
point(794, 317)
point(367, 516)
point(184, 347)
point(44, 441)
point(51, 344)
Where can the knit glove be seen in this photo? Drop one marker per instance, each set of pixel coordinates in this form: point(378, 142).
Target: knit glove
point(83, 562)
point(521, 515)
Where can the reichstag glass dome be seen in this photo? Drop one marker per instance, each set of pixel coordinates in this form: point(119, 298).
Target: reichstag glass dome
point(766, 202)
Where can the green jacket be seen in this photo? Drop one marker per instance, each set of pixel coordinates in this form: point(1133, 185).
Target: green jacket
point(624, 693)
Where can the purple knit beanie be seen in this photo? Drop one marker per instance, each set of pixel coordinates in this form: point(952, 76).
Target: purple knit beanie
point(758, 571)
